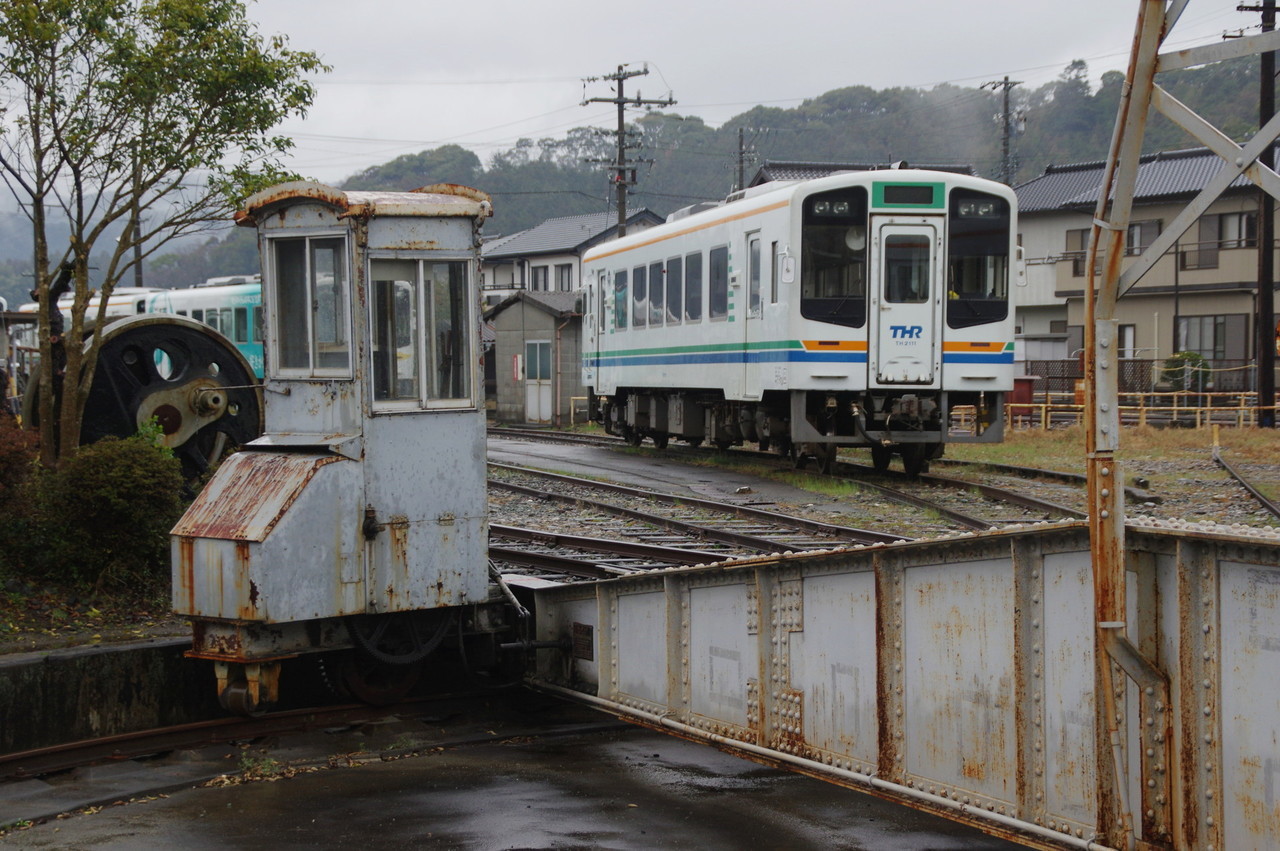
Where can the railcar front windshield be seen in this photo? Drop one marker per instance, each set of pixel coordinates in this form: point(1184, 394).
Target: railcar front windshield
point(833, 257)
point(977, 258)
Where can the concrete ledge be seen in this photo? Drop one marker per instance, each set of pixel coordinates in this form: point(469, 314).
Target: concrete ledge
point(56, 696)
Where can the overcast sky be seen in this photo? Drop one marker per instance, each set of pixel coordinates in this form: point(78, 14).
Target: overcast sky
point(415, 74)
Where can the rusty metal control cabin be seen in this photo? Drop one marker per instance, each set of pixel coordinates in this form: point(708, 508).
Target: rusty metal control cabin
point(359, 517)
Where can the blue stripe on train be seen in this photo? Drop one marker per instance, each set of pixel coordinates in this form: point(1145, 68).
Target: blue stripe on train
point(776, 357)
point(730, 357)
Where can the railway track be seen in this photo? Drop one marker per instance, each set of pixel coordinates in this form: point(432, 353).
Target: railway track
point(1252, 485)
point(41, 762)
point(924, 505)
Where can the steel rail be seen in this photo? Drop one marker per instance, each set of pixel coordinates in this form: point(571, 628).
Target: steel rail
point(1079, 479)
point(124, 746)
point(848, 533)
point(628, 549)
point(556, 563)
point(863, 536)
point(1003, 495)
point(1262, 500)
point(989, 491)
point(741, 540)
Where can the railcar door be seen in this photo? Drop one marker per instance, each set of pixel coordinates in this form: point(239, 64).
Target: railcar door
point(592, 322)
point(752, 326)
point(905, 346)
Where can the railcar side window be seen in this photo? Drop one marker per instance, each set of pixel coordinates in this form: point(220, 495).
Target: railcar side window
point(833, 257)
point(693, 287)
point(309, 284)
point(657, 288)
point(977, 258)
point(620, 299)
point(718, 305)
point(774, 272)
point(675, 290)
point(241, 318)
point(639, 297)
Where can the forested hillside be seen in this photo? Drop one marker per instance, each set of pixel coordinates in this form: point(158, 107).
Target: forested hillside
point(1064, 121)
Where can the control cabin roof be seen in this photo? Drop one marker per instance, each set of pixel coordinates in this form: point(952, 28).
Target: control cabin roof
point(438, 200)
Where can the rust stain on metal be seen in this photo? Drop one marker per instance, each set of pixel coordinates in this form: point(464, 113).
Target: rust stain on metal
point(791, 733)
point(417, 245)
point(974, 769)
point(285, 192)
point(247, 505)
point(186, 574)
point(457, 190)
point(224, 644)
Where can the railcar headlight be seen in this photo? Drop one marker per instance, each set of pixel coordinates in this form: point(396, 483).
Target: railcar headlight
point(840, 208)
point(822, 208)
point(974, 209)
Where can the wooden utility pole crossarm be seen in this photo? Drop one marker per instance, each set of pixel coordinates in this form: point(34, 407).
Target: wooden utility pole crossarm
point(624, 172)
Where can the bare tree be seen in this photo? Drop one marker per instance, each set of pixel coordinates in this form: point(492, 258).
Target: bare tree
point(132, 122)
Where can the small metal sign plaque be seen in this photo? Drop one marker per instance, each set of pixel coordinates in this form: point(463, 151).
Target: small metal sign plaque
point(584, 642)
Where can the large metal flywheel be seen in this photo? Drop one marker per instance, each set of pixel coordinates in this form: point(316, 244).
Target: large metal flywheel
point(192, 380)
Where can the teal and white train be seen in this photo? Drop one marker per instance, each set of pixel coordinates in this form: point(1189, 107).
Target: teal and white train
point(860, 309)
point(231, 306)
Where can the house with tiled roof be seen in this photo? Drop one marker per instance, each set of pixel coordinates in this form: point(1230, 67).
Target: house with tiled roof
point(1198, 297)
point(548, 257)
point(536, 358)
point(530, 282)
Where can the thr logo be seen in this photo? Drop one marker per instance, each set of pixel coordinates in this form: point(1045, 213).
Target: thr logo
point(906, 332)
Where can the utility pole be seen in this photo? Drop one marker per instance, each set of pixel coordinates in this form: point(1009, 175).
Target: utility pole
point(624, 173)
point(1006, 116)
point(742, 161)
point(1266, 313)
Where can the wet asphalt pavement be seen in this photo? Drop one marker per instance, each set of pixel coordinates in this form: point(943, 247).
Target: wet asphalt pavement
point(613, 788)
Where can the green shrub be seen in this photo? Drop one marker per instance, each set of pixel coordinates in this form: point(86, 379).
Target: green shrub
point(1186, 371)
point(19, 453)
point(106, 512)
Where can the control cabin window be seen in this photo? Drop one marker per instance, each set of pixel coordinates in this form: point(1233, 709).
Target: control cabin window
point(312, 329)
point(833, 257)
point(420, 323)
point(977, 258)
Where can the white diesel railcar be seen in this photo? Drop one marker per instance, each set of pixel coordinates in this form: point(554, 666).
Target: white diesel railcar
point(860, 309)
